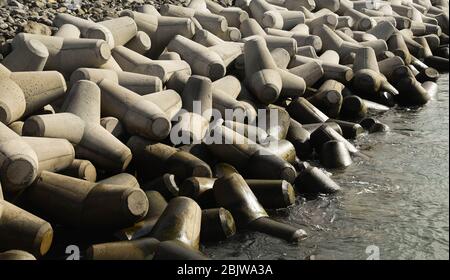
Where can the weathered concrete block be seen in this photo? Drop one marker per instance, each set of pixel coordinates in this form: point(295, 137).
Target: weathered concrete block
point(140, 43)
point(68, 54)
point(217, 224)
point(28, 55)
point(76, 203)
point(123, 29)
point(137, 115)
point(134, 62)
point(68, 31)
point(18, 161)
point(88, 29)
point(202, 60)
point(23, 231)
point(181, 220)
point(81, 169)
point(166, 159)
point(262, 77)
point(81, 126)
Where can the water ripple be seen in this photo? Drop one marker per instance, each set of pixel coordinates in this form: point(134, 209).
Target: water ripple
point(397, 200)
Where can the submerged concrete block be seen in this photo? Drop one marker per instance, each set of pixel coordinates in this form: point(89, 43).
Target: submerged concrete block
point(334, 154)
point(233, 193)
point(273, 194)
point(175, 250)
point(181, 220)
point(313, 181)
point(217, 224)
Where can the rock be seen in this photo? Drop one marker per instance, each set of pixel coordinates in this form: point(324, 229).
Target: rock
point(37, 28)
point(225, 3)
point(14, 3)
point(62, 10)
point(39, 4)
point(45, 21)
point(18, 12)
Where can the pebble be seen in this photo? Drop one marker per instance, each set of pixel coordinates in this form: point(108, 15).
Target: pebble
point(13, 12)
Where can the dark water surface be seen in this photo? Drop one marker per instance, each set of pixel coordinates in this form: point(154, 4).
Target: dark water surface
point(398, 200)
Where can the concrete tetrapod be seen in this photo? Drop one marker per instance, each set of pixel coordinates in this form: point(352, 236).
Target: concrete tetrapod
point(88, 29)
point(27, 55)
point(139, 116)
point(139, 83)
point(81, 204)
point(18, 161)
point(181, 220)
point(262, 75)
point(233, 193)
point(24, 93)
point(68, 31)
point(22, 230)
point(140, 43)
point(157, 205)
point(272, 194)
point(134, 62)
point(202, 60)
point(68, 54)
point(166, 159)
point(266, 14)
point(217, 224)
point(81, 169)
point(197, 104)
point(249, 157)
point(166, 185)
point(16, 255)
point(80, 124)
point(123, 29)
point(234, 15)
